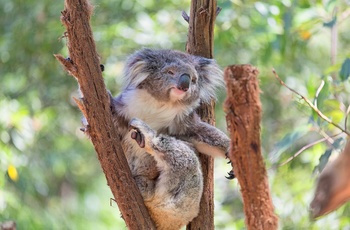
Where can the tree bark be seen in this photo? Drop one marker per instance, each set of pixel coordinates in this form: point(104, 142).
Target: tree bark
point(243, 109)
point(200, 43)
point(84, 66)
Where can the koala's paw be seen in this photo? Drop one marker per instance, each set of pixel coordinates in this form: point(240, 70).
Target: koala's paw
point(141, 132)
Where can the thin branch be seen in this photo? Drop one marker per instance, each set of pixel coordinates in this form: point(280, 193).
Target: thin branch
point(334, 41)
point(344, 16)
point(306, 147)
point(319, 113)
point(346, 117)
point(329, 139)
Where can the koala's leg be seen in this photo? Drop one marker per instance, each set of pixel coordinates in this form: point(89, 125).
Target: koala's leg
point(179, 187)
point(209, 140)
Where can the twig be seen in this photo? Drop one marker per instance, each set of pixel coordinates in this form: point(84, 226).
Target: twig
point(346, 117)
point(319, 113)
point(344, 16)
point(325, 135)
point(306, 147)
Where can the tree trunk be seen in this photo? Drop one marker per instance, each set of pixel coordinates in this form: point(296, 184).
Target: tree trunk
point(200, 43)
point(84, 66)
point(243, 109)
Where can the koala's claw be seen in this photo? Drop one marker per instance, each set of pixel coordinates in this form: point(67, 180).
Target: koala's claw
point(138, 137)
point(231, 175)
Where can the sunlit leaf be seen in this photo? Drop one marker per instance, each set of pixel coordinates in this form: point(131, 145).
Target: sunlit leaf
point(305, 34)
point(12, 172)
point(323, 94)
point(332, 110)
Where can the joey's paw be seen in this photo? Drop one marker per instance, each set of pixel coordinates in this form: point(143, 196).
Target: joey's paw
point(140, 132)
point(138, 137)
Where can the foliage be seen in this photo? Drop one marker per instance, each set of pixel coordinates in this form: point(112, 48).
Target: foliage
point(50, 177)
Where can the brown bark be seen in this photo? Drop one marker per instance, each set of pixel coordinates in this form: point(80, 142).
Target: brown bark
point(243, 109)
point(84, 66)
point(200, 43)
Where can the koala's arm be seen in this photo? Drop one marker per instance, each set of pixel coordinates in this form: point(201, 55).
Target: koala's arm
point(208, 139)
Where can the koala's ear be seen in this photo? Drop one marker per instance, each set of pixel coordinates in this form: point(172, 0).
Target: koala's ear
point(210, 78)
point(134, 70)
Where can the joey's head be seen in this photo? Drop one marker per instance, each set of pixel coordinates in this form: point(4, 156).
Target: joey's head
point(173, 76)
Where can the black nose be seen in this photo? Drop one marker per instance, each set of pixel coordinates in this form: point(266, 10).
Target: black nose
point(184, 82)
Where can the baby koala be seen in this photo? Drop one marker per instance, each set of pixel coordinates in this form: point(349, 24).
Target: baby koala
point(161, 133)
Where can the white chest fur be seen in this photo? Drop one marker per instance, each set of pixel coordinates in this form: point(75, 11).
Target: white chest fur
point(155, 113)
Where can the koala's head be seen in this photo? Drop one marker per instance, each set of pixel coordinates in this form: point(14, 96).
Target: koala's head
point(173, 76)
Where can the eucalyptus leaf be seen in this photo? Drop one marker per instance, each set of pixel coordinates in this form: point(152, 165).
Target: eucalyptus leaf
point(324, 160)
point(345, 70)
point(331, 23)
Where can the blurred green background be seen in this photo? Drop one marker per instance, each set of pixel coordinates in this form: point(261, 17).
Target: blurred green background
point(50, 177)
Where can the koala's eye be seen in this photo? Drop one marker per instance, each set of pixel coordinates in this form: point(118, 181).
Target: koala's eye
point(170, 72)
point(194, 80)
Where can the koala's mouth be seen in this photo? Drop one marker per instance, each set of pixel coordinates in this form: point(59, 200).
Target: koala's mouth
point(178, 91)
point(177, 94)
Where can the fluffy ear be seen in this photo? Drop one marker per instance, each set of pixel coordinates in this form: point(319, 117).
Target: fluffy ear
point(134, 70)
point(210, 78)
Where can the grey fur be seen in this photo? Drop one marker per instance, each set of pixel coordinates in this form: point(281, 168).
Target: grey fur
point(152, 112)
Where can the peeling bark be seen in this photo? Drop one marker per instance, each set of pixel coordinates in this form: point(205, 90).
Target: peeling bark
point(243, 116)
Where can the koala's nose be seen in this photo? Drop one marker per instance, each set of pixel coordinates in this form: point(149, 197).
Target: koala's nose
point(184, 82)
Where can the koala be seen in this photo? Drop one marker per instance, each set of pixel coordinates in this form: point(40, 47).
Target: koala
point(155, 116)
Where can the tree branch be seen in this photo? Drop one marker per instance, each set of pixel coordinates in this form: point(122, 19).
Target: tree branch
point(312, 106)
point(200, 43)
point(306, 147)
point(84, 65)
point(243, 109)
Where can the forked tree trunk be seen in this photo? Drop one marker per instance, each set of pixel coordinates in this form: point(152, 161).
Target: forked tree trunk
point(243, 109)
point(84, 66)
point(200, 43)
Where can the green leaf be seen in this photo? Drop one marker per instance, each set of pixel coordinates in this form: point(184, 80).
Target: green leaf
point(324, 160)
point(338, 143)
point(331, 23)
point(332, 110)
point(345, 70)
